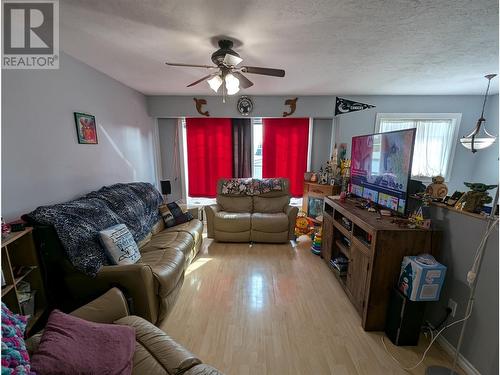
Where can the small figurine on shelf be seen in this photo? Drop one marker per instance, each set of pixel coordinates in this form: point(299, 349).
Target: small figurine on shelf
point(316, 244)
point(420, 217)
point(5, 229)
point(345, 170)
point(476, 198)
point(438, 188)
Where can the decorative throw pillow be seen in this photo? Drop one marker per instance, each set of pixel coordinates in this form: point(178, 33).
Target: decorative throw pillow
point(173, 215)
point(237, 186)
point(120, 245)
point(267, 185)
point(72, 345)
point(15, 358)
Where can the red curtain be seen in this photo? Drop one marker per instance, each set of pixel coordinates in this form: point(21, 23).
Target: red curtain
point(209, 154)
point(284, 150)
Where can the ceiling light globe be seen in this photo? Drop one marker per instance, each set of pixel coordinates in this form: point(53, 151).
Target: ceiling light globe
point(232, 84)
point(215, 83)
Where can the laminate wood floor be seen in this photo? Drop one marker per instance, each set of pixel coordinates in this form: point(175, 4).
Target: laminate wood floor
point(276, 309)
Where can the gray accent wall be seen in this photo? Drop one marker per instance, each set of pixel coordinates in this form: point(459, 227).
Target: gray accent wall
point(486, 167)
point(42, 162)
point(461, 237)
point(482, 166)
point(321, 140)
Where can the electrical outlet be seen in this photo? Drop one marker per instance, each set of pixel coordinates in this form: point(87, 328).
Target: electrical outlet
point(453, 306)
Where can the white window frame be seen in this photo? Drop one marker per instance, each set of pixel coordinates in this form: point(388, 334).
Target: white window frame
point(455, 117)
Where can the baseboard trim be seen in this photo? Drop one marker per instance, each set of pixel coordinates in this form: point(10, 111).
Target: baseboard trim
point(462, 361)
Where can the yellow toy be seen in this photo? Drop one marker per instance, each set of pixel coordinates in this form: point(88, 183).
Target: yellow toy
point(303, 225)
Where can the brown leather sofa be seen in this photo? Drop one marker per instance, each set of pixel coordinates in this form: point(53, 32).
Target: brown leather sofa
point(152, 284)
point(266, 217)
point(155, 353)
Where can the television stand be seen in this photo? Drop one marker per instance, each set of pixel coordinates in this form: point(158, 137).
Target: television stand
point(373, 247)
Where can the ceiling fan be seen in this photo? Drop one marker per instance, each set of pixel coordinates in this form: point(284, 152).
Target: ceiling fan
point(226, 70)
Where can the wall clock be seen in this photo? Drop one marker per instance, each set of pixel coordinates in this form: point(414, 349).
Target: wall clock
point(244, 105)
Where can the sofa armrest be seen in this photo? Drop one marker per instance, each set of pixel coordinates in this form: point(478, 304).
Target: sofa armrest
point(107, 308)
point(210, 212)
point(137, 282)
point(291, 212)
point(173, 357)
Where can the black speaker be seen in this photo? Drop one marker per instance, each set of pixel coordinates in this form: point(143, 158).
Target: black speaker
point(404, 319)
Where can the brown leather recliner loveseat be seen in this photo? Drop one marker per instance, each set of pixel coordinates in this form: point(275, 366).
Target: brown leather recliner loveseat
point(155, 353)
point(251, 210)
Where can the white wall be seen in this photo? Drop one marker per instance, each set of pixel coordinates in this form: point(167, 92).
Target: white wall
point(42, 162)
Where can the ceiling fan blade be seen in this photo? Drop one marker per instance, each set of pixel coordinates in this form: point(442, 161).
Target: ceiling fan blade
point(244, 81)
point(263, 71)
point(191, 65)
point(200, 80)
point(231, 60)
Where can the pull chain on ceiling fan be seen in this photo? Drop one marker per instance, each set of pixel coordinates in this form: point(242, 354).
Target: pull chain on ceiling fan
point(227, 75)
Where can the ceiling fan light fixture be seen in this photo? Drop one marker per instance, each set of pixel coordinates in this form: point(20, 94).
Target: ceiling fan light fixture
point(479, 138)
point(232, 84)
point(215, 83)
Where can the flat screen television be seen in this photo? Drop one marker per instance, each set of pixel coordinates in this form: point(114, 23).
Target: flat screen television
point(381, 168)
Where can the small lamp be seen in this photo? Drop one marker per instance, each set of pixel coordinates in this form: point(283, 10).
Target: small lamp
point(479, 138)
point(166, 188)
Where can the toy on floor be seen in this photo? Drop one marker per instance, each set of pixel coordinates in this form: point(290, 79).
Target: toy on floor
point(316, 244)
point(303, 225)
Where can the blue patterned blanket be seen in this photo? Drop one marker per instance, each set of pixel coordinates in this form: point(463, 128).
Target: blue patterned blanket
point(78, 222)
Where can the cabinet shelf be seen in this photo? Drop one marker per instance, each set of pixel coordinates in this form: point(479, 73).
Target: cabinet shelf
point(19, 253)
point(23, 276)
point(377, 247)
point(343, 248)
point(342, 229)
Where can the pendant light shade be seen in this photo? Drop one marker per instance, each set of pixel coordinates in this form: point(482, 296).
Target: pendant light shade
point(480, 138)
point(215, 83)
point(232, 84)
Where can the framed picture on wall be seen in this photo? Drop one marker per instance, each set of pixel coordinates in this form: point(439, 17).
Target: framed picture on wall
point(86, 129)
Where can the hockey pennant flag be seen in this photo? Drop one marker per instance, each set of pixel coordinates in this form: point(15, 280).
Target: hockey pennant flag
point(345, 106)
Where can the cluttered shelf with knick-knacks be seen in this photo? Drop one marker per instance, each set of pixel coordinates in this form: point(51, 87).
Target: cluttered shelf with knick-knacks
point(22, 283)
point(364, 250)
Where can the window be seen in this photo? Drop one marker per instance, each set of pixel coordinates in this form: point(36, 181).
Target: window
point(435, 140)
point(257, 147)
point(203, 165)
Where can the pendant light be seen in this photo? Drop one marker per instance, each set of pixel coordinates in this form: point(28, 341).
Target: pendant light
point(232, 84)
point(215, 83)
point(479, 138)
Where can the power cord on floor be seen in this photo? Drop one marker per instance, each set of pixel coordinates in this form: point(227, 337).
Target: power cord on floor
point(428, 347)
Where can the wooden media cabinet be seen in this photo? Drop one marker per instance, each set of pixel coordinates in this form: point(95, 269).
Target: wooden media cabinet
point(374, 247)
